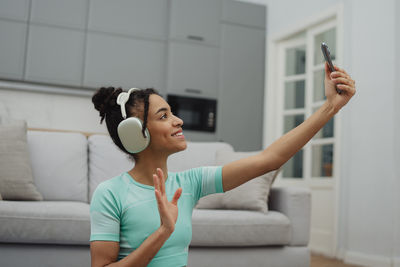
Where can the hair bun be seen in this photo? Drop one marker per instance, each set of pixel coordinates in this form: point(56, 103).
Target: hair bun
point(105, 99)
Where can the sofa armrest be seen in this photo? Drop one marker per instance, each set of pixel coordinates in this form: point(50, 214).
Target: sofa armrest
point(295, 203)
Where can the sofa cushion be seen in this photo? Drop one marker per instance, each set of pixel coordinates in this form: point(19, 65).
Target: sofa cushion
point(252, 195)
point(48, 222)
point(16, 178)
point(59, 164)
point(196, 154)
point(239, 228)
point(106, 161)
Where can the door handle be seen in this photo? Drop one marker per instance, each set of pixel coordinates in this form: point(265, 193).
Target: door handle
point(196, 38)
point(191, 90)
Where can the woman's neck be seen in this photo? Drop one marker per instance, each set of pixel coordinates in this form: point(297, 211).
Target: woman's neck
point(145, 167)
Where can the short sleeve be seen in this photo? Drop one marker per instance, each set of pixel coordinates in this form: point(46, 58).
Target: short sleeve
point(206, 181)
point(104, 215)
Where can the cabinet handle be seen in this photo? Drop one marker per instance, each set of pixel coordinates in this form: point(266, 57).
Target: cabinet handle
point(191, 90)
point(196, 38)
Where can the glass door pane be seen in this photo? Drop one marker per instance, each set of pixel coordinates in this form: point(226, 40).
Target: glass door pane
point(319, 85)
point(295, 61)
point(294, 98)
point(294, 167)
point(322, 160)
point(328, 37)
point(294, 94)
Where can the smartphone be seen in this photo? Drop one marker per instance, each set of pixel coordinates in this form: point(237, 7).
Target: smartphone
point(327, 56)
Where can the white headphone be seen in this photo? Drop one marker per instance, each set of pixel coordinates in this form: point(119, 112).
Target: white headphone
point(130, 129)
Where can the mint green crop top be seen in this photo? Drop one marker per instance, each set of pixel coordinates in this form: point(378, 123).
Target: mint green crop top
point(125, 211)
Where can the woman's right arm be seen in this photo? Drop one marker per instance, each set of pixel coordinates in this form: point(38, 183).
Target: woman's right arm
point(105, 253)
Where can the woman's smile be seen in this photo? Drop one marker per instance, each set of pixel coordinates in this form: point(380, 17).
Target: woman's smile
point(178, 134)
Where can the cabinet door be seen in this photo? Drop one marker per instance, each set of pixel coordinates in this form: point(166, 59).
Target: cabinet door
point(70, 13)
point(12, 52)
point(196, 21)
point(124, 62)
point(146, 18)
point(14, 9)
point(55, 55)
point(240, 116)
point(193, 70)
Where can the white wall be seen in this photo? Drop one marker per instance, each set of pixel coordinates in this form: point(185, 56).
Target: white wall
point(368, 164)
point(369, 215)
point(396, 99)
point(52, 111)
point(282, 14)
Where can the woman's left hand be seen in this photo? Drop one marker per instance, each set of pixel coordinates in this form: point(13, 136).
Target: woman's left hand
point(343, 82)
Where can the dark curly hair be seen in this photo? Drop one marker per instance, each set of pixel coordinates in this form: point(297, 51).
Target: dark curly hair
point(105, 101)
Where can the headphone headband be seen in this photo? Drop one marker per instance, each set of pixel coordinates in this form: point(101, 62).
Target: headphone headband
point(122, 98)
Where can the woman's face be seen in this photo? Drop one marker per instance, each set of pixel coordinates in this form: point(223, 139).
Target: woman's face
point(163, 126)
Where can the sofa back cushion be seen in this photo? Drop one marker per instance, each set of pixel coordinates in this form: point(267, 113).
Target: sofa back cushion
point(106, 160)
point(59, 164)
point(252, 195)
point(196, 154)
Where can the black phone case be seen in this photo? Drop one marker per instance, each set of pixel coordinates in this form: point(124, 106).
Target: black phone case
point(327, 56)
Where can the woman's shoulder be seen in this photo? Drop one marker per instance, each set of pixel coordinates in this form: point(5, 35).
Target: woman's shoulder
point(112, 185)
point(195, 171)
point(112, 191)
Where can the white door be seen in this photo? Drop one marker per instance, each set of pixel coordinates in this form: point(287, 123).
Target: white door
point(300, 92)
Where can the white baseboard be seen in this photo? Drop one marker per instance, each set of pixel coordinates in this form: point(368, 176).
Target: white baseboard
point(340, 254)
point(321, 242)
point(321, 251)
point(368, 260)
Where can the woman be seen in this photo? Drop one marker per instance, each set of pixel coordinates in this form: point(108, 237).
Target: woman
point(133, 223)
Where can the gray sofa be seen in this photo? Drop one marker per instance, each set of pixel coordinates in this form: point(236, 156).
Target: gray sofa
point(67, 167)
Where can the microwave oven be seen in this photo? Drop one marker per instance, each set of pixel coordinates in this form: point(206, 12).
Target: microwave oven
point(198, 114)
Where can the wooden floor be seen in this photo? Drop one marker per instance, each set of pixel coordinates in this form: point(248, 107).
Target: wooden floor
point(321, 261)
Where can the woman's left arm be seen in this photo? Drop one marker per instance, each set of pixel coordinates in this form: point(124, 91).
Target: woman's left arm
point(279, 152)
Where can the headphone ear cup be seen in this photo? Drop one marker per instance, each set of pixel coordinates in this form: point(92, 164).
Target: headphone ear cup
point(130, 134)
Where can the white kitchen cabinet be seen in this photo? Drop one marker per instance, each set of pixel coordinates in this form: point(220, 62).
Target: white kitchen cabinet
point(54, 55)
point(12, 52)
point(14, 9)
point(241, 97)
point(124, 62)
point(193, 70)
point(67, 13)
point(141, 18)
point(195, 21)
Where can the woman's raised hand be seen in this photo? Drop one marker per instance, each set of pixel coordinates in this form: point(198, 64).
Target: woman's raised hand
point(168, 210)
point(343, 82)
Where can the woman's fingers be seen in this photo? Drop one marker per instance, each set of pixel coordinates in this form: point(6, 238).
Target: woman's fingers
point(159, 182)
point(160, 203)
point(337, 74)
point(348, 89)
point(340, 71)
point(177, 195)
point(341, 76)
point(156, 183)
point(342, 81)
point(162, 180)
